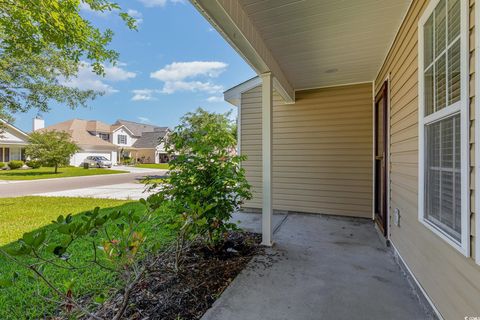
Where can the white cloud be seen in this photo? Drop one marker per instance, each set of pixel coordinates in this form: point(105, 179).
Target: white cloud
point(85, 7)
point(143, 95)
point(116, 73)
point(86, 79)
point(215, 99)
point(193, 86)
point(159, 3)
point(144, 120)
point(184, 76)
point(153, 3)
point(137, 15)
point(179, 71)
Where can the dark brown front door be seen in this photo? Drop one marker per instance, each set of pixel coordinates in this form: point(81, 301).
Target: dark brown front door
point(381, 158)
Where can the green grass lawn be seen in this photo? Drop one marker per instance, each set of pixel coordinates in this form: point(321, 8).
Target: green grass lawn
point(48, 173)
point(23, 214)
point(153, 165)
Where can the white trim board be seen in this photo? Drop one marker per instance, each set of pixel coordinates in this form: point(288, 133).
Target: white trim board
point(234, 95)
point(464, 246)
point(417, 283)
point(477, 133)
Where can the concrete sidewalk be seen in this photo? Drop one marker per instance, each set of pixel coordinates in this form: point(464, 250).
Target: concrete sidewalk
point(124, 191)
point(35, 187)
point(320, 267)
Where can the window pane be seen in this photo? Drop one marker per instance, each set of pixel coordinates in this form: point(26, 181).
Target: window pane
point(428, 91)
point(428, 42)
point(440, 84)
point(440, 28)
point(453, 19)
point(442, 173)
point(454, 73)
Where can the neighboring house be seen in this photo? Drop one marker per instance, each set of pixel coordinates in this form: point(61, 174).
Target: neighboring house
point(12, 142)
point(367, 109)
point(141, 142)
point(92, 137)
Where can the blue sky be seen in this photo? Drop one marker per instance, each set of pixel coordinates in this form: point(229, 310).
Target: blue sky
point(173, 64)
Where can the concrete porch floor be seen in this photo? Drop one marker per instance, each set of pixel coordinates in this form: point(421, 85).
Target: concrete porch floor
point(320, 267)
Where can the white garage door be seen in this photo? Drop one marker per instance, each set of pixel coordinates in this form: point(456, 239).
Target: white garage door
point(79, 157)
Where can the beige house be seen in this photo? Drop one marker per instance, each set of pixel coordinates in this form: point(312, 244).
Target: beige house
point(139, 141)
point(91, 136)
point(367, 108)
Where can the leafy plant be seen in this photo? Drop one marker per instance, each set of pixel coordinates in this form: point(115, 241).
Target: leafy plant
point(15, 164)
point(206, 183)
point(34, 164)
point(2, 165)
point(117, 242)
point(51, 148)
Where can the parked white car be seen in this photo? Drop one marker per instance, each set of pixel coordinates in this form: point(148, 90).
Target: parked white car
point(98, 161)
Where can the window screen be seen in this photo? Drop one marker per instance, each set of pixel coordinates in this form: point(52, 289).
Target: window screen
point(442, 134)
point(442, 57)
point(443, 188)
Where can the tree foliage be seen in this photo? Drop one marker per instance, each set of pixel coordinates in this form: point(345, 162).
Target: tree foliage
point(45, 41)
point(51, 148)
point(33, 81)
point(206, 183)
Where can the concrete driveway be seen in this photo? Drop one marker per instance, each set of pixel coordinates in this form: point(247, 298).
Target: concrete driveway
point(122, 191)
point(320, 267)
point(81, 184)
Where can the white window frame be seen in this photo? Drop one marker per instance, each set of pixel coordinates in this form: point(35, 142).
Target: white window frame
point(477, 133)
point(464, 245)
point(123, 136)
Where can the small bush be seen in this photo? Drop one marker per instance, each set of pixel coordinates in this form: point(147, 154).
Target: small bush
point(34, 164)
point(127, 161)
point(15, 164)
point(2, 165)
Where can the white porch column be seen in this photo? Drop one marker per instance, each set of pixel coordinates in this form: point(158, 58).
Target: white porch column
point(267, 114)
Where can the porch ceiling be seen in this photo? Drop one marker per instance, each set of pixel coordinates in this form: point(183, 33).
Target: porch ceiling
point(328, 42)
point(309, 43)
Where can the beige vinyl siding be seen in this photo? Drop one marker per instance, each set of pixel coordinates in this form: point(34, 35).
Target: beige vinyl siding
point(322, 150)
point(145, 155)
point(451, 280)
point(251, 142)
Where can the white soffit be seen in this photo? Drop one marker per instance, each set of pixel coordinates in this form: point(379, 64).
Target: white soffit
point(321, 43)
point(234, 94)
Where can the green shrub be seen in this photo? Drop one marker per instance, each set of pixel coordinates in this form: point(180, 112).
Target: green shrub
point(127, 160)
point(2, 165)
point(15, 164)
point(34, 164)
point(206, 183)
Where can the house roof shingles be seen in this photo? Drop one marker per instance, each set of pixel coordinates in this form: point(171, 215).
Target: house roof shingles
point(78, 129)
point(150, 139)
point(138, 128)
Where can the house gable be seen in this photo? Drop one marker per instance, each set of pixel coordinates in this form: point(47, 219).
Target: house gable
point(11, 135)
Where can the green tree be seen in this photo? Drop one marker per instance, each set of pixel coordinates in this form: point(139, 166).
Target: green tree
point(206, 183)
point(45, 41)
point(51, 148)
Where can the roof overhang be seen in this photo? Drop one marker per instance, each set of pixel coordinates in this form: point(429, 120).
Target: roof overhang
point(12, 127)
point(309, 44)
point(235, 26)
point(124, 127)
point(234, 95)
point(91, 147)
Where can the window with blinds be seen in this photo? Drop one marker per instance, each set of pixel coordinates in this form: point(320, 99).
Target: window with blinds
point(442, 91)
point(443, 197)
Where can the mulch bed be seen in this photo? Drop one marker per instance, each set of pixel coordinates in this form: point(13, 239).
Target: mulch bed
point(190, 292)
